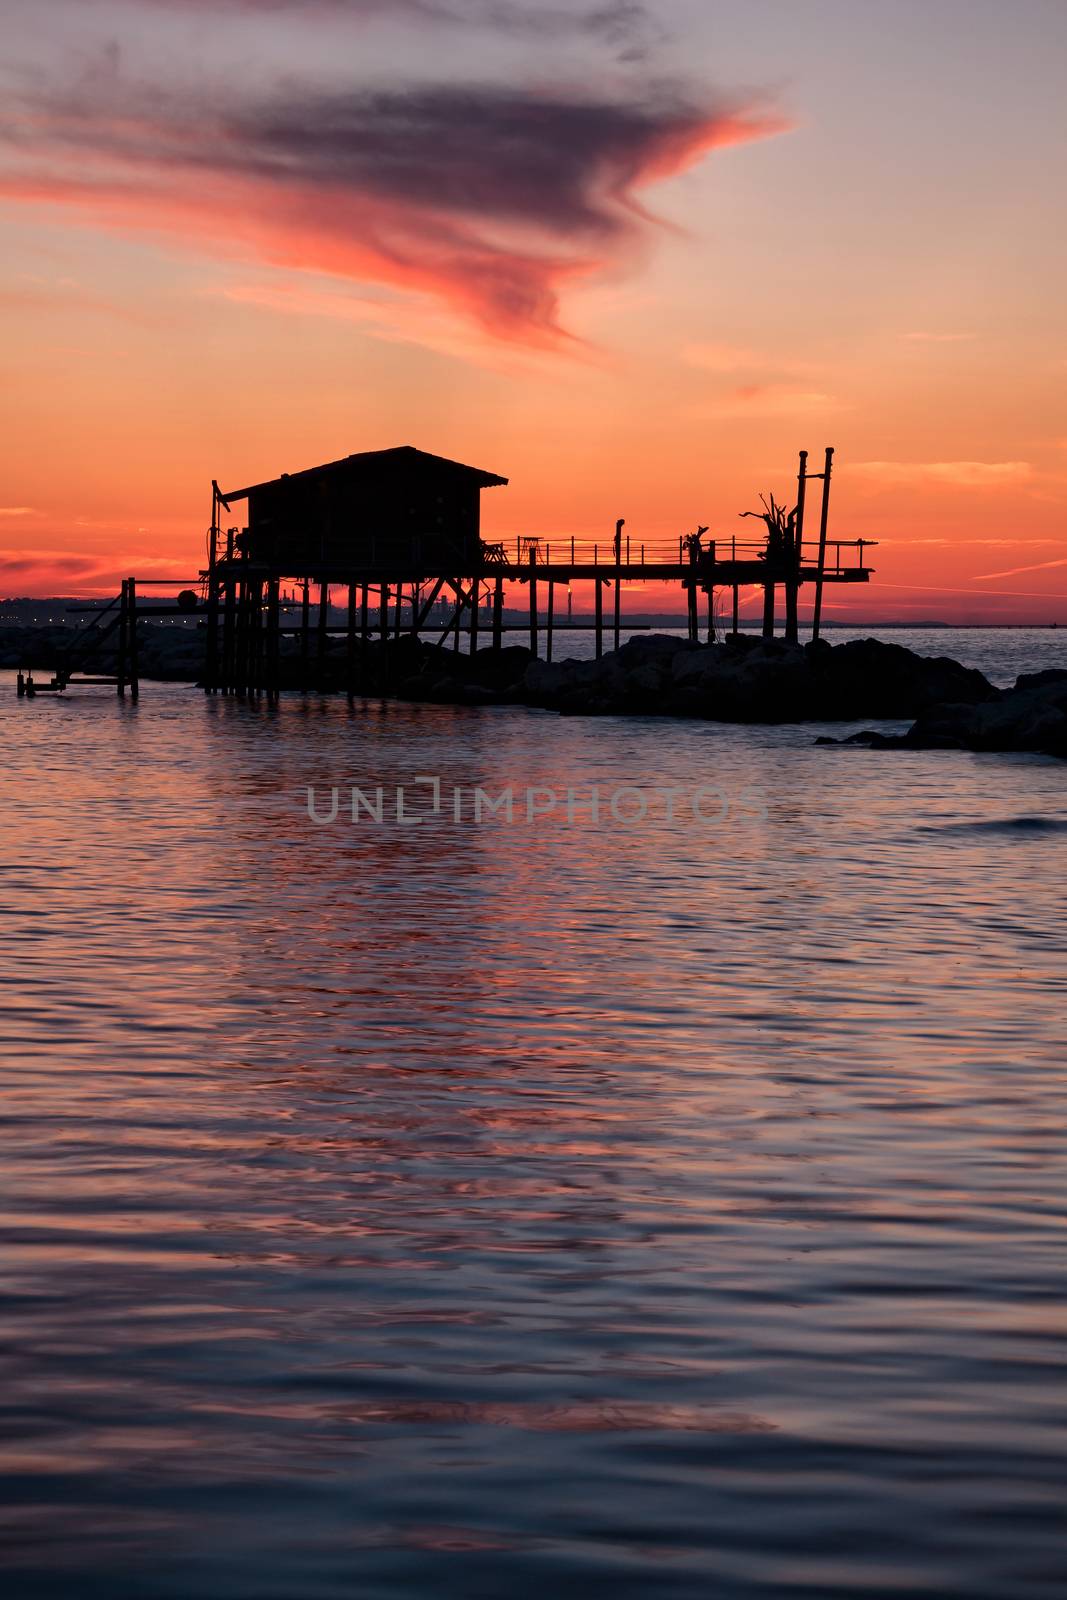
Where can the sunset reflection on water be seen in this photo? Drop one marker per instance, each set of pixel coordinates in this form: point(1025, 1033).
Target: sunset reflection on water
point(470, 1209)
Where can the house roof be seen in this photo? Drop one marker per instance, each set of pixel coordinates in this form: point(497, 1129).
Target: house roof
point(403, 457)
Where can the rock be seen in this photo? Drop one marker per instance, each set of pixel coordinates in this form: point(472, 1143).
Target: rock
point(869, 678)
point(1030, 718)
point(756, 680)
point(1039, 680)
point(646, 648)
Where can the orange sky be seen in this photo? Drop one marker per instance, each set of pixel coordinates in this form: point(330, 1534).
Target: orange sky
point(631, 257)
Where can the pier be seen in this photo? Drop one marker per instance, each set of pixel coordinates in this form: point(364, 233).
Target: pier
point(398, 533)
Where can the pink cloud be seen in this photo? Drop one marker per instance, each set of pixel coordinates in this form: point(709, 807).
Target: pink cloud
point(489, 199)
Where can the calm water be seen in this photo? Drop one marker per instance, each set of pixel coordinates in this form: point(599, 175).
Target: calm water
point(663, 1208)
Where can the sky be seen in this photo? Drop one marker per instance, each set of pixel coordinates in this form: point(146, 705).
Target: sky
point(632, 256)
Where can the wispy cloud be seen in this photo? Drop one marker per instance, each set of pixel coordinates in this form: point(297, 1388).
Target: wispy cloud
point(958, 474)
point(16, 511)
point(1012, 572)
point(64, 571)
point(491, 198)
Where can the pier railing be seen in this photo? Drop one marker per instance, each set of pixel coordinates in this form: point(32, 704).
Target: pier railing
point(841, 555)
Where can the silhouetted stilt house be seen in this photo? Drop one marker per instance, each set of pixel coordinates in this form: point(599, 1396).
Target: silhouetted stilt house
point(400, 531)
point(402, 510)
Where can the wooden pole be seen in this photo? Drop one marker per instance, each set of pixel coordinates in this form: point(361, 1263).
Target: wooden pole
point(533, 601)
point(211, 657)
point(474, 616)
point(251, 639)
point(261, 640)
point(599, 603)
point(711, 615)
point(305, 633)
point(124, 614)
point(131, 628)
point(618, 575)
point(229, 619)
point(768, 610)
point(551, 609)
point(816, 620)
point(793, 556)
point(351, 641)
point(498, 614)
point(322, 644)
point(737, 604)
point(273, 673)
point(240, 638)
point(364, 626)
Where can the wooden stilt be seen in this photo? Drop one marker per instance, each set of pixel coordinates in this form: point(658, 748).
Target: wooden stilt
point(498, 614)
point(305, 634)
point(793, 556)
point(211, 656)
point(240, 638)
point(816, 619)
point(273, 665)
point(351, 642)
point(618, 580)
point(474, 616)
point(323, 643)
point(691, 591)
point(599, 617)
point(549, 619)
point(768, 610)
point(737, 606)
point(255, 636)
point(533, 601)
point(711, 615)
point(124, 617)
point(364, 627)
point(229, 621)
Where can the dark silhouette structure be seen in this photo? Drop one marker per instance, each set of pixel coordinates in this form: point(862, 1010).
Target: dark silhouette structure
point(400, 532)
point(401, 510)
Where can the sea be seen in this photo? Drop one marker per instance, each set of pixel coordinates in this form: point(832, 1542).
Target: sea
point(472, 1153)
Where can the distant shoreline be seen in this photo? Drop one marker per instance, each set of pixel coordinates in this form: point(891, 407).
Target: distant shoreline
point(30, 612)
